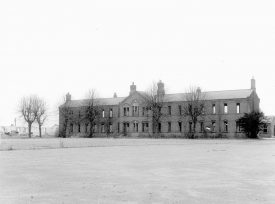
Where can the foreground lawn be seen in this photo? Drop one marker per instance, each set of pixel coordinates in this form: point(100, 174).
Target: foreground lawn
point(147, 171)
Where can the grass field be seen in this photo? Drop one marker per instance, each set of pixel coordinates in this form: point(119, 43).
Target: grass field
point(140, 171)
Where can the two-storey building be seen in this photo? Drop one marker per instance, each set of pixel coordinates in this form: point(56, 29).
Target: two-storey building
point(129, 116)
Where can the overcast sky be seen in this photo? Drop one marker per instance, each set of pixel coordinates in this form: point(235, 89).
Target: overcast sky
point(53, 47)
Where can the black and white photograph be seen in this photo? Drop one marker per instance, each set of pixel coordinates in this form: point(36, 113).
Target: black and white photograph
point(137, 102)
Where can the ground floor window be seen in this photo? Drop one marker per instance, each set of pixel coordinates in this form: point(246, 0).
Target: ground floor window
point(201, 127)
point(169, 126)
point(265, 129)
point(213, 126)
point(180, 126)
point(159, 127)
point(110, 127)
point(135, 126)
point(225, 124)
point(145, 127)
point(102, 128)
point(238, 127)
point(71, 128)
point(190, 126)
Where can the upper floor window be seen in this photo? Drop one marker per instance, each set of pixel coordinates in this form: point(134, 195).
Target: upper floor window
point(111, 113)
point(180, 110)
point(214, 108)
point(238, 108)
point(134, 110)
point(126, 111)
point(225, 108)
point(103, 113)
point(169, 110)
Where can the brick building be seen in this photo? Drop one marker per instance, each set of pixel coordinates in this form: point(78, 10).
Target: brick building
point(128, 116)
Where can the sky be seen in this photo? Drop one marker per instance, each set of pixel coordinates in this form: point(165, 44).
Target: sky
point(49, 48)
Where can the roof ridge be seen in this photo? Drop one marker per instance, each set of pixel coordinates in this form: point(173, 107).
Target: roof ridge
point(211, 91)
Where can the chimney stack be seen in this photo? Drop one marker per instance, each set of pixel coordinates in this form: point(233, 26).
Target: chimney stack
point(68, 97)
point(253, 83)
point(115, 95)
point(133, 88)
point(160, 90)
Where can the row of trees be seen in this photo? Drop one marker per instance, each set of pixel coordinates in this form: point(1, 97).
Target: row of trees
point(33, 109)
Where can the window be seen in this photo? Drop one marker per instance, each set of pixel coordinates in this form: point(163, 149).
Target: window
point(214, 108)
point(111, 113)
point(143, 111)
point(265, 129)
point(79, 128)
point(169, 110)
point(180, 111)
point(145, 126)
point(126, 111)
point(238, 107)
point(135, 110)
point(225, 123)
point(238, 127)
point(135, 127)
point(159, 127)
point(118, 127)
point(71, 128)
point(169, 126)
point(201, 127)
point(86, 127)
point(180, 126)
point(102, 128)
point(103, 113)
point(95, 129)
point(213, 126)
point(190, 126)
point(225, 109)
point(110, 127)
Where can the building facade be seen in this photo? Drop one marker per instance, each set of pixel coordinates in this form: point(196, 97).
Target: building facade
point(128, 116)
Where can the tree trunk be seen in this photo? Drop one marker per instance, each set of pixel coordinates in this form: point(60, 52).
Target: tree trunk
point(30, 129)
point(40, 135)
point(91, 130)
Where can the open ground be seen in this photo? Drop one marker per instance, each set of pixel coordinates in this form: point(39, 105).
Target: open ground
point(140, 171)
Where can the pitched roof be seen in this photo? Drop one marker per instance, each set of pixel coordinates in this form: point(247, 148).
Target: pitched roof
point(212, 95)
point(100, 101)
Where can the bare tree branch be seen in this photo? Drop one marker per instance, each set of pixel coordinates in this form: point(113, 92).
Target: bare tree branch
point(27, 109)
point(194, 106)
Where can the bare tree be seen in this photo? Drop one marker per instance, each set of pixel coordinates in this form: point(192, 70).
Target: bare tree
point(40, 113)
point(27, 109)
point(194, 107)
point(92, 111)
point(154, 102)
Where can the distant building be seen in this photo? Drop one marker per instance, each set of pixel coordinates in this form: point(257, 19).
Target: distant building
point(127, 115)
